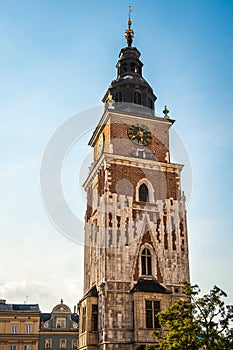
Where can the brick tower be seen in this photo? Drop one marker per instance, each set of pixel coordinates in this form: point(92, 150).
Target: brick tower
point(136, 248)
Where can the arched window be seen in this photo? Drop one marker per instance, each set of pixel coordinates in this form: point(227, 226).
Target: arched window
point(137, 98)
point(143, 193)
point(146, 262)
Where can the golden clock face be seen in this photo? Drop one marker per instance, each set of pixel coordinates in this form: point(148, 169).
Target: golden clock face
point(100, 145)
point(140, 134)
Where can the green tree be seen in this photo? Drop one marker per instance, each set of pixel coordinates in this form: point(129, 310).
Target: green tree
point(193, 322)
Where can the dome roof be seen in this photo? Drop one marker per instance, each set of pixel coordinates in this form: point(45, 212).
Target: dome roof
point(61, 308)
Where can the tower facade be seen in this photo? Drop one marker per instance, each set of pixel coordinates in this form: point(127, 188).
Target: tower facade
point(136, 247)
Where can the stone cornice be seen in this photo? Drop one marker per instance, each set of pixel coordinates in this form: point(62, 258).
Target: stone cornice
point(109, 158)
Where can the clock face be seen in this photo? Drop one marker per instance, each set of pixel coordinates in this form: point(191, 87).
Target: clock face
point(100, 145)
point(140, 134)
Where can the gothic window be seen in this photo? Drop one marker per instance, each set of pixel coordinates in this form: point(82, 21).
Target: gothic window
point(146, 262)
point(94, 318)
point(133, 67)
point(152, 309)
point(118, 96)
point(143, 193)
point(137, 98)
point(84, 319)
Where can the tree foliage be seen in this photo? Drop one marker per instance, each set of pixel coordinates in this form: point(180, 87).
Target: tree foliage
point(193, 322)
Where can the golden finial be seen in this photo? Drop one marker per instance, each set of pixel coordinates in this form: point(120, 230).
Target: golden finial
point(165, 112)
point(129, 33)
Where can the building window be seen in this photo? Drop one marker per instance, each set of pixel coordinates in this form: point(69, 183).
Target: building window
point(28, 328)
point(60, 322)
point(150, 103)
point(48, 343)
point(26, 347)
point(124, 67)
point(74, 344)
point(146, 262)
point(62, 343)
point(13, 347)
point(152, 309)
point(137, 98)
point(118, 96)
point(94, 318)
point(133, 67)
point(14, 328)
point(141, 154)
point(84, 319)
point(143, 193)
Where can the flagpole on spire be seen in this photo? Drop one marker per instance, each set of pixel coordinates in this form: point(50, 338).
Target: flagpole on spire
point(129, 33)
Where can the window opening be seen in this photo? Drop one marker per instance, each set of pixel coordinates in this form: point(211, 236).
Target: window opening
point(137, 98)
point(84, 319)
point(94, 318)
point(143, 193)
point(152, 309)
point(146, 262)
point(133, 67)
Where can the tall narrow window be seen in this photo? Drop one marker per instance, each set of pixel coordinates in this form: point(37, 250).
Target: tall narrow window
point(74, 344)
point(146, 262)
point(48, 343)
point(132, 67)
point(118, 96)
point(150, 103)
point(143, 193)
point(84, 319)
point(137, 98)
point(13, 347)
point(28, 328)
point(62, 343)
point(152, 309)
point(27, 347)
point(14, 328)
point(94, 318)
point(124, 67)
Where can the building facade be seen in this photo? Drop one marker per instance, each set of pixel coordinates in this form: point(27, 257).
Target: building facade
point(19, 326)
point(59, 329)
point(136, 245)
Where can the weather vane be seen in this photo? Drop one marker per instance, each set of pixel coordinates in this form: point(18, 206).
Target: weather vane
point(129, 33)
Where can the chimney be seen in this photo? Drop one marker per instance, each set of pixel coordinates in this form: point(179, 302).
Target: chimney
point(2, 301)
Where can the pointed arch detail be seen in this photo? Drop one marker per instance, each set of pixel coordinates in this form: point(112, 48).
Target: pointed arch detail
point(141, 192)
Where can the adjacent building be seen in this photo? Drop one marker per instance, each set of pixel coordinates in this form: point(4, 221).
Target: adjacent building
point(59, 329)
point(24, 327)
point(19, 326)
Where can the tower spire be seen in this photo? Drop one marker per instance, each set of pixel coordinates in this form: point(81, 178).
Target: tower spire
point(129, 33)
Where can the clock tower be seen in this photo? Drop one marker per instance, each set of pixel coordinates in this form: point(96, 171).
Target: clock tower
point(136, 247)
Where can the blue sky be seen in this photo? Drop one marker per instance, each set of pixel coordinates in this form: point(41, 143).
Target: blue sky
point(57, 58)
